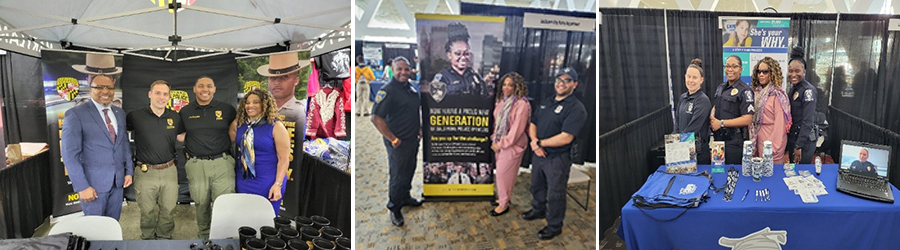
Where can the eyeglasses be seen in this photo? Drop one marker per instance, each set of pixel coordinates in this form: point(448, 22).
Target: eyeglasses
point(564, 80)
point(764, 71)
point(103, 87)
point(728, 66)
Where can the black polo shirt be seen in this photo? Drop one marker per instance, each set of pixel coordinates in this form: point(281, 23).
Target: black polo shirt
point(733, 101)
point(693, 115)
point(398, 103)
point(553, 117)
point(206, 127)
point(154, 136)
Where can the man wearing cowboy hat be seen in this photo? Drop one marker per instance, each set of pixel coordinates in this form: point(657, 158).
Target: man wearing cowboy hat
point(283, 71)
point(95, 146)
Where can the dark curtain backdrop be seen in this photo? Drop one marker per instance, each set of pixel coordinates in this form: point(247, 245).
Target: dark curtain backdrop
point(815, 34)
point(25, 196)
point(23, 98)
point(537, 53)
point(623, 161)
point(691, 35)
point(634, 79)
point(859, 48)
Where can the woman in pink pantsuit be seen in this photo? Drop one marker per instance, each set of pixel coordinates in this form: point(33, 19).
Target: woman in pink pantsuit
point(511, 115)
point(772, 119)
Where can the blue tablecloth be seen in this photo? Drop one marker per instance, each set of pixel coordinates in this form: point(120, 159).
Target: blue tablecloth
point(838, 221)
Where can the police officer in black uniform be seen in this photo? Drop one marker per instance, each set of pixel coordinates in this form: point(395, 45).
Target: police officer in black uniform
point(459, 79)
point(693, 111)
point(732, 112)
point(802, 137)
point(554, 126)
point(396, 116)
point(210, 166)
point(154, 129)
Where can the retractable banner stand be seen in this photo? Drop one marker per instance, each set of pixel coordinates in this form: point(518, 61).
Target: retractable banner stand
point(458, 102)
point(284, 75)
point(66, 85)
point(754, 38)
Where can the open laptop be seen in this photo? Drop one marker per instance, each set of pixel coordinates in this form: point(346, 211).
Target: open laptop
point(864, 171)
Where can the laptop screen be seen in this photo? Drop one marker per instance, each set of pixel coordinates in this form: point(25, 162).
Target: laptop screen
point(863, 158)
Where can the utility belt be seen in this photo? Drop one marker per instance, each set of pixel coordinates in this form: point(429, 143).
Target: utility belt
point(206, 157)
point(729, 134)
point(145, 166)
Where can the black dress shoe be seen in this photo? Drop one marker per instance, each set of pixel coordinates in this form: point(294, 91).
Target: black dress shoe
point(414, 202)
point(532, 215)
point(495, 213)
point(495, 203)
point(397, 218)
point(546, 234)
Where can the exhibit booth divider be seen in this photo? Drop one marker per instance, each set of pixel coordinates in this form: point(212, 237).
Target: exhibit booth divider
point(622, 168)
point(851, 59)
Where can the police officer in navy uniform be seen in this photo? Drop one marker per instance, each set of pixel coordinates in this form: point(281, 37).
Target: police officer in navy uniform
point(732, 111)
point(693, 111)
point(802, 137)
point(554, 126)
point(459, 79)
point(396, 116)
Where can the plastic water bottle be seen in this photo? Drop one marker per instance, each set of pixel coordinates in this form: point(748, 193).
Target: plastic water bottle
point(818, 165)
point(746, 162)
point(768, 158)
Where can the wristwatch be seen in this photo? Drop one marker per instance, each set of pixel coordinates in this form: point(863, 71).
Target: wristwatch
point(721, 123)
point(539, 143)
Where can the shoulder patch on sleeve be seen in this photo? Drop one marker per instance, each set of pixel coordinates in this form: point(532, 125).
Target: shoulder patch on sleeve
point(380, 96)
point(808, 95)
point(748, 96)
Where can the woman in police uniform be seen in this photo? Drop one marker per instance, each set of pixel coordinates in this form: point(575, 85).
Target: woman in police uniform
point(802, 136)
point(693, 110)
point(732, 111)
point(459, 79)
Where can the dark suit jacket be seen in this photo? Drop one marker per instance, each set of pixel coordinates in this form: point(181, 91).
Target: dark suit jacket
point(90, 156)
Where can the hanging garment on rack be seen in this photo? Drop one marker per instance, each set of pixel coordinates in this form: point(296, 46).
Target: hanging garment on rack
point(326, 117)
point(312, 85)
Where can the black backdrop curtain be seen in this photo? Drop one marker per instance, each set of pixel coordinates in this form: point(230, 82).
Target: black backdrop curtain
point(537, 53)
point(23, 98)
point(632, 62)
point(691, 35)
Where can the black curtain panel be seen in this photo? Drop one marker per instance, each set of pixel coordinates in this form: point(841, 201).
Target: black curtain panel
point(25, 196)
point(633, 70)
point(815, 34)
point(325, 191)
point(858, 57)
point(623, 161)
point(889, 89)
point(23, 98)
point(694, 34)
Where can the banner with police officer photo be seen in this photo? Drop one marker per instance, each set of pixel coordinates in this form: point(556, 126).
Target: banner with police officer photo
point(754, 38)
point(457, 96)
point(66, 80)
point(284, 75)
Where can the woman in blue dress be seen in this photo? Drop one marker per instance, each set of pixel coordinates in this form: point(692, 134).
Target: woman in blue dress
point(263, 150)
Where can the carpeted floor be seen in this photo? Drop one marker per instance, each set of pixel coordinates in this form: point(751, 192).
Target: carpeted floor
point(454, 225)
point(130, 220)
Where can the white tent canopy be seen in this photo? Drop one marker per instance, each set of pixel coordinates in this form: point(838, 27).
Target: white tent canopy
point(201, 24)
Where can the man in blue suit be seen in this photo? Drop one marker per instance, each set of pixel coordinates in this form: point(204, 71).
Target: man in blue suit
point(95, 147)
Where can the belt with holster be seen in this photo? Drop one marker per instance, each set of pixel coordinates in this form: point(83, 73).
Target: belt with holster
point(145, 167)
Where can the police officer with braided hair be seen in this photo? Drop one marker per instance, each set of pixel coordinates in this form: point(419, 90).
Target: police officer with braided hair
point(802, 136)
point(459, 79)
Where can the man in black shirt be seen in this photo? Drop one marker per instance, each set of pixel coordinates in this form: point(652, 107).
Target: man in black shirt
point(396, 116)
point(554, 126)
point(209, 166)
point(154, 130)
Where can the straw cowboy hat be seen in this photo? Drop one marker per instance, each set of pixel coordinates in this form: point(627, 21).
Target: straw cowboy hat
point(98, 64)
point(282, 64)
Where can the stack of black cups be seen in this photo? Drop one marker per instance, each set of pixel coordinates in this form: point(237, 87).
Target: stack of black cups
point(312, 232)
